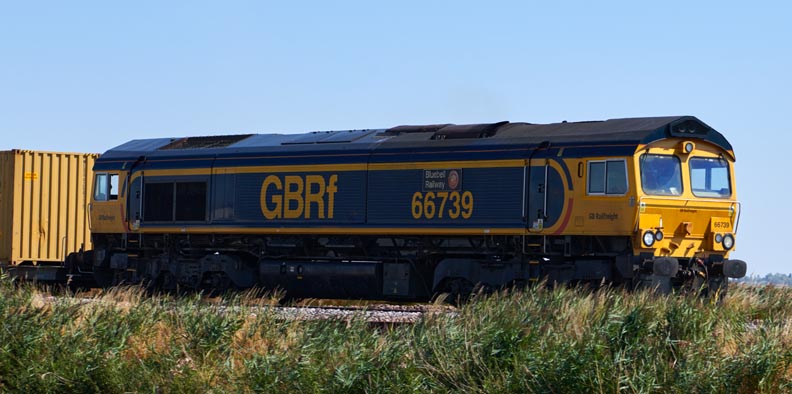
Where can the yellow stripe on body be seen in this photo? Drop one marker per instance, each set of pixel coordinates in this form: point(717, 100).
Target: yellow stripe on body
point(293, 168)
point(433, 165)
point(257, 169)
point(176, 172)
point(341, 167)
point(336, 230)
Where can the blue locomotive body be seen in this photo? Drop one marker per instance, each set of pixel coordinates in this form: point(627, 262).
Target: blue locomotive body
point(393, 213)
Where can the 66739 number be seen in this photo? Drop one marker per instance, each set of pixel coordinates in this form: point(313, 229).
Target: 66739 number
point(432, 205)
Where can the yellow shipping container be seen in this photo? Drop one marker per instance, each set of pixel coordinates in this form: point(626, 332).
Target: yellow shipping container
point(44, 198)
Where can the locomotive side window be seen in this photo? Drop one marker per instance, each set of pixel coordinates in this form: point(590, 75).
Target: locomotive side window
point(113, 192)
point(709, 177)
point(607, 177)
point(100, 187)
point(596, 177)
point(179, 201)
point(661, 175)
point(106, 187)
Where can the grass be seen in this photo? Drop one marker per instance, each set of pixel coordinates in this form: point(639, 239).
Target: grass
point(539, 340)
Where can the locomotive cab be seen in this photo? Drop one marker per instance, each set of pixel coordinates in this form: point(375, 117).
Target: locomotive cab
point(688, 211)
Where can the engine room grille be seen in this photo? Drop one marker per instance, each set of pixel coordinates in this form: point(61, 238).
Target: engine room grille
point(218, 141)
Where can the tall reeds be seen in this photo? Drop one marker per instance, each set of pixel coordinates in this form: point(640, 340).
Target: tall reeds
point(539, 340)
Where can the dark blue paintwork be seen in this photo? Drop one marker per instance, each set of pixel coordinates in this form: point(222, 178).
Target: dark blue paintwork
point(384, 198)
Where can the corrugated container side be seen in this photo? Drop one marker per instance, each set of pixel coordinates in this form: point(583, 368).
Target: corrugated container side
point(43, 205)
point(6, 204)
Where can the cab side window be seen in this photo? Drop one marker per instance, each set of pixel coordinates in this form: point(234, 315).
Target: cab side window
point(100, 187)
point(106, 187)
point(607, 177)
point(113, 192)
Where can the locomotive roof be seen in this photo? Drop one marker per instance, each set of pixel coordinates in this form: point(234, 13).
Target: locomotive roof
point(627, 131)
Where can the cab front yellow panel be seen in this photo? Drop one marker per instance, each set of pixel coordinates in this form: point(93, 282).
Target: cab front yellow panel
point(688, 226)
point(689, 223)
point(43, 205)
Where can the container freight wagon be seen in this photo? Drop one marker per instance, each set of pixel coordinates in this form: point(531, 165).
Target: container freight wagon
point(44, 198)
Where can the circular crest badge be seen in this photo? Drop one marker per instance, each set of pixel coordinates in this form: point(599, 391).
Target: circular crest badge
point(453, 180)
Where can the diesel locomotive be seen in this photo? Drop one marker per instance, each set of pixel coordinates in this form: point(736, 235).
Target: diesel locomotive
point(413, 211)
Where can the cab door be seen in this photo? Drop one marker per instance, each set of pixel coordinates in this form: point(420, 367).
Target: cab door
point(536, 182)
point(545, 191)
point(135, 201)
point(107, 203)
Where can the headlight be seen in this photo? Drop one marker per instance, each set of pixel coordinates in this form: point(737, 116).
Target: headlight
point(659, 235)
point(718, 238)
point(728, 241)
point(686, 147)
point(648, 238)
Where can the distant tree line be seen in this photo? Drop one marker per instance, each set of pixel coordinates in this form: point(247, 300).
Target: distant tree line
point(769, 279)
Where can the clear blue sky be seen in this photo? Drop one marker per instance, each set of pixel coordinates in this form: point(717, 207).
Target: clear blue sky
point(87, 76)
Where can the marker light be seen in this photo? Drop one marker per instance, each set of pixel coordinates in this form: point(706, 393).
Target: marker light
point(718, 238)
point(659, 235)
point(728, 241)
point(648, 238)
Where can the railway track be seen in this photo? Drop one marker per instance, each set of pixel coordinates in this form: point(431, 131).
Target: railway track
point(371, 313)
point(376, 314)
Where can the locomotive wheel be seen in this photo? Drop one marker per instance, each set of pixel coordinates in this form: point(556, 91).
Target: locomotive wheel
point(454, 291)
point(483, 289)
point(166, 281)
point(103, 277)
point(216, 283)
